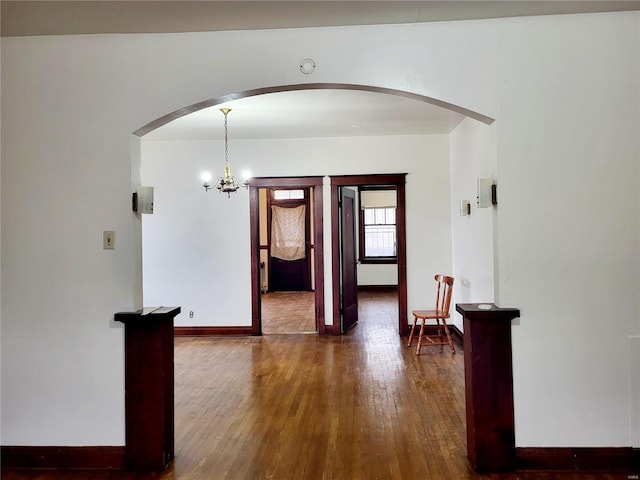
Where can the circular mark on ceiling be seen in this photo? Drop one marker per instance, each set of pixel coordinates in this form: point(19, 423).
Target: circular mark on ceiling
point(307, 66)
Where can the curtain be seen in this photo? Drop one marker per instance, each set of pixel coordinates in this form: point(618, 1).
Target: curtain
point(287, 233)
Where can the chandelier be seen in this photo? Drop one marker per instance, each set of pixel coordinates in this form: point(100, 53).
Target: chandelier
point(227, 183)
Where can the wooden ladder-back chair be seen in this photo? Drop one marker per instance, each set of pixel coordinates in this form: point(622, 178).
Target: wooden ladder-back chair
point(441, 312)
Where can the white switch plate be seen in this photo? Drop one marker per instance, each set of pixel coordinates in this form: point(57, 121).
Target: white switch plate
point(464, 208)
point(108, 240)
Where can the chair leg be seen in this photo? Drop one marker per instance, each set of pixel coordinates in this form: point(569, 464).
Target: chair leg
point(449, 339)
point(420, 337)
point(413, 328)
point(440, 339)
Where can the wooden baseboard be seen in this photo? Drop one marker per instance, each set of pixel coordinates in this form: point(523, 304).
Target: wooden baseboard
point(625, 459)
point(328, 330)
point(89, 458)
point(456, 333)
point(210, 331)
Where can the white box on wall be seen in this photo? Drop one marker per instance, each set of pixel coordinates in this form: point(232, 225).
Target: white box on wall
point(485, 186)
point(144, 200)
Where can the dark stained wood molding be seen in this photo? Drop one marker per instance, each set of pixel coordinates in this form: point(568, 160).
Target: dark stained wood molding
point(285, 182)
point(377, 288)
point(316, 185)
point(34, 457)
point(318, 242)
point(306, 86)
point(210, 331)
point(373, 260)
point(383, 179)
point(401, 231)
point(256, 282)
point(375, 188)
point(328, 330)
point(266, 247)
point(394, 179)
point(623, 460)
point(456, 333)
point(606, 459)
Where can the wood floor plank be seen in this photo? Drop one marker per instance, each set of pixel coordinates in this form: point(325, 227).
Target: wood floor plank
point(303, 407)
point(288, 312)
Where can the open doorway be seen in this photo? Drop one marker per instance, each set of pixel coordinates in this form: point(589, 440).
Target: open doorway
point(286, 261)
point(344, 282)
point(287, 274)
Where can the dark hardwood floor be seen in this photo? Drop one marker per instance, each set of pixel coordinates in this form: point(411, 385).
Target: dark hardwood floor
point(297, 407)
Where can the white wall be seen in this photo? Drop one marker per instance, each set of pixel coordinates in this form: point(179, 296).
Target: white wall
point(196, 244)
point(568, 225)
point(472, 157)
point(378, 274)
point(563, 90)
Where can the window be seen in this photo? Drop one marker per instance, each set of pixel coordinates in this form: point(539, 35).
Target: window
point(377, 232)
point(288, 194)
point(378, 235)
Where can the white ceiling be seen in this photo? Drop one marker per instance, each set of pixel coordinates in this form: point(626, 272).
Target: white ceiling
point(312, 113)
point(66, 17)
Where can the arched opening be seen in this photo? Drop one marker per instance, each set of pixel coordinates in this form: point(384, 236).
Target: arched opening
point(329, 292)
point(418, 196)
point(306, 86)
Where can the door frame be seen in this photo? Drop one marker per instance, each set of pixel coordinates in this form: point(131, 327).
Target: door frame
point(315, 183)
point(393, 179)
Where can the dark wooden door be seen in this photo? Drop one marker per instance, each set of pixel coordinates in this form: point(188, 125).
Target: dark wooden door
point(290, 275)
point(348, 264)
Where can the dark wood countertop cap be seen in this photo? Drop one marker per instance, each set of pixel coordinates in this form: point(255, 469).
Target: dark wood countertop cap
point(486, 311)
point(149, 313)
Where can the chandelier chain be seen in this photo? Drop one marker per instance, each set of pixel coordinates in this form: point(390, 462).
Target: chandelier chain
point(226, 141)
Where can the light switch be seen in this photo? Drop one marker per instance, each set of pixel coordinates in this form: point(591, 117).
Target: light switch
point(465, 208)
point(109, 240)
